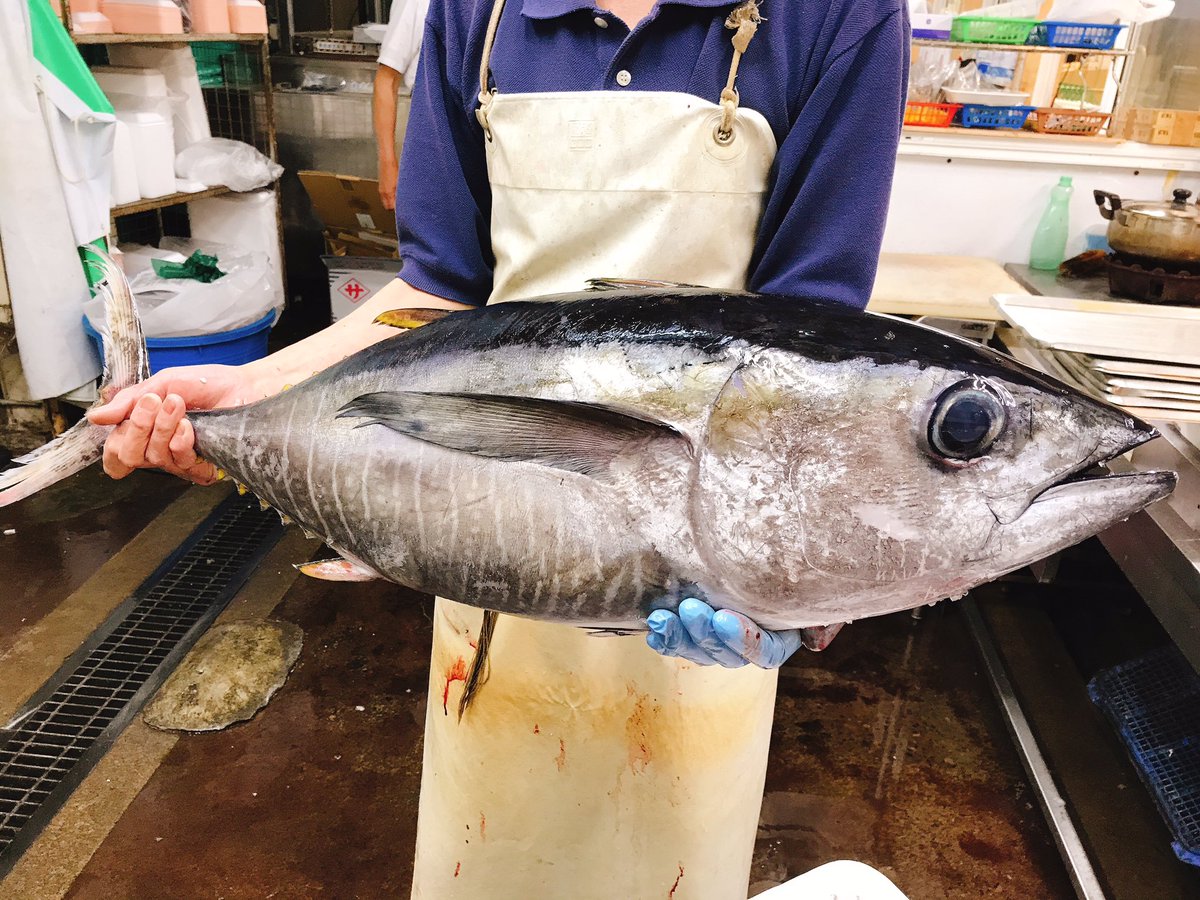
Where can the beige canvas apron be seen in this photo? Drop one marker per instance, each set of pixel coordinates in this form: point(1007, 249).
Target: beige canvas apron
point(591, 767)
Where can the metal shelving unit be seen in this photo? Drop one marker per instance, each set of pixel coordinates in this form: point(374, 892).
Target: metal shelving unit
point(1019, 48)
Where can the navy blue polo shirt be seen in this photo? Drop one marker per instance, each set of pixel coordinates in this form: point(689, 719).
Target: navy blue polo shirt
point(828, 75)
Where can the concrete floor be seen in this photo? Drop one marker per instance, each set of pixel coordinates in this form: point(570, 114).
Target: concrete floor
point(888, 747)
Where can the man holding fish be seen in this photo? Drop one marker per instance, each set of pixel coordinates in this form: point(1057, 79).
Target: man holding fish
point(550, 142)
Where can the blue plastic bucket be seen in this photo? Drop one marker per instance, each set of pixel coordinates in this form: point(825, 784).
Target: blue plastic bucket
point(230, 348)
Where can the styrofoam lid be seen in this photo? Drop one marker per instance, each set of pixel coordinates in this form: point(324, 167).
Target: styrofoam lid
point(131, 80)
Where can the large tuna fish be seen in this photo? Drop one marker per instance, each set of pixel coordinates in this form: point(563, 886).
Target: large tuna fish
point(587, 458)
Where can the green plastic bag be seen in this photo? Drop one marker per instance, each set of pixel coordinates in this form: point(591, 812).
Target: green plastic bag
point(197, 267)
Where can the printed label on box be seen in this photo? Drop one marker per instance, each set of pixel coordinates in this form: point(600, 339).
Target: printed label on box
point(354, 290)
point(365, 221)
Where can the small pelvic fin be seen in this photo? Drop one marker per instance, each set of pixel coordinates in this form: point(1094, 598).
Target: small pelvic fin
point(411, 318)
point(336, 569)
point(818, 637)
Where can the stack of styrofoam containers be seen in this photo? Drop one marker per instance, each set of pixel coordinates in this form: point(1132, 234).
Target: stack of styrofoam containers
point(143, 16)
point(178, 67)
point(141, 101)
point(124, 185)
point(86, 17)
point(247, 17)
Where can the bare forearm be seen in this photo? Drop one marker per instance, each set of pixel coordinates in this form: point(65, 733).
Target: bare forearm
point(345, 337)
point(383, 112)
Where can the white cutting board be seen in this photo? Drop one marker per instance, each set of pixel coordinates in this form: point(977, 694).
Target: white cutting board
point(1106, 328)
point(958, 287)
point(1134, 369)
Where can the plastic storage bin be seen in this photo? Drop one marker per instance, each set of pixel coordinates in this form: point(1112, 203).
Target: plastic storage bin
point(984, 30)
point(1081, 35)
point(975, 115)
point(227, 348)
point(934, 115)
point(143, 16)
point(1080, 122)
point(1154, 704)
point(210, 16)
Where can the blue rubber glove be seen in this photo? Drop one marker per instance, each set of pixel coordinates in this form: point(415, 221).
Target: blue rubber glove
point(724, 637)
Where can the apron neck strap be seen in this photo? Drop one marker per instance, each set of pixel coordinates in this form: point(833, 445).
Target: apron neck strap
point(743, 21)
point(486, 93)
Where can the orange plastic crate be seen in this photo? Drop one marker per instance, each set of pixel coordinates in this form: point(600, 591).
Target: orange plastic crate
point(936, 115)
point(1083, 123)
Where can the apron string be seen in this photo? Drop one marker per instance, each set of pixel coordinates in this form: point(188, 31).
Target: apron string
point(743, 21)
point(485, 64)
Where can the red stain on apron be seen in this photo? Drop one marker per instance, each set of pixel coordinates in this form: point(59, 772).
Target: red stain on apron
point(458, 672)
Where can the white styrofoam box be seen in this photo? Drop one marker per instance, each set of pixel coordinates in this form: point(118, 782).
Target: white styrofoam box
point(153, 150)
point(931, 25)
point(178, 67)
point(247, 220)
point(355, 279)
point(124, 186)
point(133, 89)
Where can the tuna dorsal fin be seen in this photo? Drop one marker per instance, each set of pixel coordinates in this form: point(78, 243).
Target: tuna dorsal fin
point(411, 318)
point(577, 437)
point(634, 284)
point(337, 569)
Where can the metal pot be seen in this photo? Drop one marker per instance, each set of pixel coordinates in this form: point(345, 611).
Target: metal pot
point(1169, 231)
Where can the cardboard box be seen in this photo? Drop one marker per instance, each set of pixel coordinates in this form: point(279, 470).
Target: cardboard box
point(355, 279)
point(1175, 127)
point(355, 219)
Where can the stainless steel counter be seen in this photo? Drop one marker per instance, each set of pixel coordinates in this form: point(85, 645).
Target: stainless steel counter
point(1157, 549)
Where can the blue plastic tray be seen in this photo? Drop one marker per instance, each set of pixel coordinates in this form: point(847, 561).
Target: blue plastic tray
point(1080, 35)
point(1154, 703)
point(977, 115)
point(231, 348)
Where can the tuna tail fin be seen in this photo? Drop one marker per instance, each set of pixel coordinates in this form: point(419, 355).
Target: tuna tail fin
point(125, 363)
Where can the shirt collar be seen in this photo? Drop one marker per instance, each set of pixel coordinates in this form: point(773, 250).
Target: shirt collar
point(551, 9)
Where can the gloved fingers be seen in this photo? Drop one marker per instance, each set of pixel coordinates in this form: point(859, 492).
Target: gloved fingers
point(760, 646)
point(697, 618)
point(669, 638)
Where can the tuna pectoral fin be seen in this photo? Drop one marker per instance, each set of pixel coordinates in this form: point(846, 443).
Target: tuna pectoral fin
point(337, 569)
point(411, 318)
point(577, 437)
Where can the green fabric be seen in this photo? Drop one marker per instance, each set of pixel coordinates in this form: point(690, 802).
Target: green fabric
point(55, 50)
point(198, 267)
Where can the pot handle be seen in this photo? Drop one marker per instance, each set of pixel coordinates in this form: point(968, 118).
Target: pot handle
point(1113, 199)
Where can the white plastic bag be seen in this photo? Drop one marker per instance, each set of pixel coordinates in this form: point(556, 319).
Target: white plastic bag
point(218, 161)
point(179, 307)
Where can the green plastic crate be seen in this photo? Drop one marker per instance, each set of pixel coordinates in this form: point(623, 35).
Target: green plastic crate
point(986, 30)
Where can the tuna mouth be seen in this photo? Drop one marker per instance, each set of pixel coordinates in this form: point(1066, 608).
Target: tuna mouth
point(1089, 477)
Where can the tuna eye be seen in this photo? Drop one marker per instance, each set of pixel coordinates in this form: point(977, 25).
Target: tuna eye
point(966, 421)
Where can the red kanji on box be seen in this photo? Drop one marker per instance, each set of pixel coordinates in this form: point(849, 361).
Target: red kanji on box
point(354, 290)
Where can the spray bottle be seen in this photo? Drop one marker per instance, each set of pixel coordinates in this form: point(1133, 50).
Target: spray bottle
point(1050, 240)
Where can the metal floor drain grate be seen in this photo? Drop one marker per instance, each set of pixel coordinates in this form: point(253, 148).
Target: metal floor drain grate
point(66, 727)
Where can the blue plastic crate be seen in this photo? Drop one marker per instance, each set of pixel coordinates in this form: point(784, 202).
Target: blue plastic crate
point(1080, 35)
point(977, 115)
point(230, 348)
point(1154, 703)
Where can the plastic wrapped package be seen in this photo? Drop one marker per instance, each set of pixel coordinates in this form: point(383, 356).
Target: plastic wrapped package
point(170, 307)
point(249, 221)
point(219, 161)
point(928, 73)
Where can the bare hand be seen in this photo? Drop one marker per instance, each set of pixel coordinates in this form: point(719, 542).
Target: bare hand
point(152, 431)
point(389, 172)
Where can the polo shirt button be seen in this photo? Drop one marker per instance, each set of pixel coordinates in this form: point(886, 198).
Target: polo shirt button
point(623, 78)
point(601, 22)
